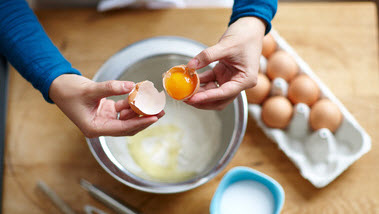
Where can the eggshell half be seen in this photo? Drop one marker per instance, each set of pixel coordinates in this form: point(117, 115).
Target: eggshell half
point(146, 100)
point(184, 69)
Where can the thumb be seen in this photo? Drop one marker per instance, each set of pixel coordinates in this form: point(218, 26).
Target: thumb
point(112, 88)
point(207, 56)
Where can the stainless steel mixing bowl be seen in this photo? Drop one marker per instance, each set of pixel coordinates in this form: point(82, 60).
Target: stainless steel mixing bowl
point(147, 60)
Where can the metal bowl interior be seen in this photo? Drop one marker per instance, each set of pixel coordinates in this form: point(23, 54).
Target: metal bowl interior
point(147, 60)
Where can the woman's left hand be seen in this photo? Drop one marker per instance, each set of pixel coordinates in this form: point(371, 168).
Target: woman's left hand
point(85, 103)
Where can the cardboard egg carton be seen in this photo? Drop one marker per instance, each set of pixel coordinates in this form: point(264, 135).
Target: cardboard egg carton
point(321, 155)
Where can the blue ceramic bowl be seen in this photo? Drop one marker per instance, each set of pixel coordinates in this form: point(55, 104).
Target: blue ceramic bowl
point(244, 173)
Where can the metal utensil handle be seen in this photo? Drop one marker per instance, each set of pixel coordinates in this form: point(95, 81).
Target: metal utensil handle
point(58, 202)
point(117, 206)
point(88, 209)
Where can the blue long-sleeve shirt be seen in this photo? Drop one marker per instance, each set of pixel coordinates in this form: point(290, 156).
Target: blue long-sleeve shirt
point(27, 47)
point(264, 9)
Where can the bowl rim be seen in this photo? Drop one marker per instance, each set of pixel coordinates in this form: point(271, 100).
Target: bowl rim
point(168, 45)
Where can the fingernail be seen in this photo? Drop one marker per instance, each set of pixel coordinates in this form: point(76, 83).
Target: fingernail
point(193, 63)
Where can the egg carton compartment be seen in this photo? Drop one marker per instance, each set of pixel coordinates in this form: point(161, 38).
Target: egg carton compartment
point(321, 155)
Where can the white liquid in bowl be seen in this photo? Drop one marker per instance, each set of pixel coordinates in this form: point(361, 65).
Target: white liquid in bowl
point(247, 197)
point(179, 146)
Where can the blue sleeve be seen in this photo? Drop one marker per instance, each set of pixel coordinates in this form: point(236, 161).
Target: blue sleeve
point(264, 9)
point(27, 47)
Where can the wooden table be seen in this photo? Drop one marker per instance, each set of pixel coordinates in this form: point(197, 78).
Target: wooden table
point(338, 40)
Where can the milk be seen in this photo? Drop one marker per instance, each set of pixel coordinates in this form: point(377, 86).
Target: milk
point(247, 197)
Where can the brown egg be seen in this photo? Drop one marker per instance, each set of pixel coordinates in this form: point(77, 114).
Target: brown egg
point(283, 65)
point(277, 112)
point(325, 114)
point(303, 89)
point(259, 92)
point(269, 46)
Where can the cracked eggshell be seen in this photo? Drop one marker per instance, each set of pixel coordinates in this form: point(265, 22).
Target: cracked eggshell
point(146, 100)
point(184, 69)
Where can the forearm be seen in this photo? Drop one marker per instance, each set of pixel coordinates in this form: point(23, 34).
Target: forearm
point(263, 9)
point(27, 47)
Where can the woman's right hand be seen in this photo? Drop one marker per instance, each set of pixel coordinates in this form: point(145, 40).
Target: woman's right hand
point(237, 53)
point(84, 102)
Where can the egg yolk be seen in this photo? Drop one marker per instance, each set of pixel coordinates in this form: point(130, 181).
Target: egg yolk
point(180, 85)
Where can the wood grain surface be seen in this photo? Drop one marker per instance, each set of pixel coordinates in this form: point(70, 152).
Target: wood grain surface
point(338, 40)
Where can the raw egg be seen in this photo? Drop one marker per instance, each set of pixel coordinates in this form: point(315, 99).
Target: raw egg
point(325, 114)
point(269, 46)
point(181, 83)
point(277, 112)
point(259, 92)
point(145, 99)
point(303, 89)
point(283, 65)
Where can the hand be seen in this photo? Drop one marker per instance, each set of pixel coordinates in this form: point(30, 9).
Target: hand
point(84, 102)
point(238, 53)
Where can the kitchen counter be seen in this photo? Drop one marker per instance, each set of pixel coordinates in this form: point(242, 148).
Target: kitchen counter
point(338, 40)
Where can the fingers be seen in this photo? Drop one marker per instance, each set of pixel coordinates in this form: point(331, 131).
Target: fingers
point(122, 104)
point(111, 88)
point(123, 107)
point(144, 127)
point(127, 114)
point(207, 56)
point(161, 114)
point(207, 76)
point(128, 124)
point(125, 127)
point(225, 91)
point(209, 85)
point(106, 109)
point(215, 105)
